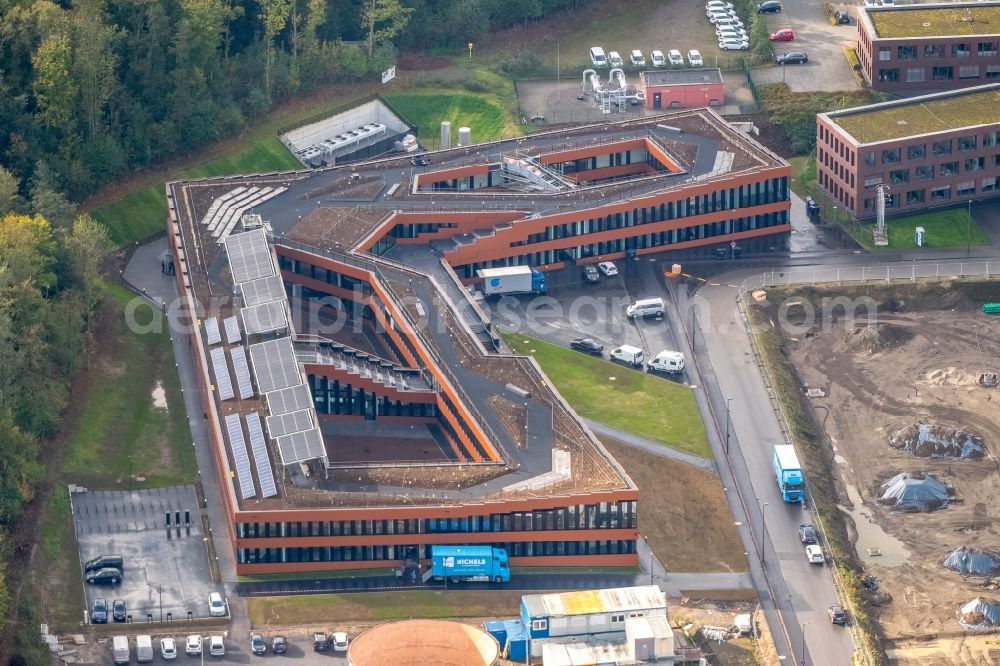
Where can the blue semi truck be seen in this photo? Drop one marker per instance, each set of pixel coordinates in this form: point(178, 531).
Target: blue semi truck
point(469, 564)
point(789, 473)
point(512, 280)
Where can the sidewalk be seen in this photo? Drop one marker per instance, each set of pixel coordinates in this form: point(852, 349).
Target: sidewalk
point(650, 446)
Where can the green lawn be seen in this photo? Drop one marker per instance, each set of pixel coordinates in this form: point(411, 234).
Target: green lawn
point(944, 228)
point(639, 403)
point(482, 114)
point(803, 174)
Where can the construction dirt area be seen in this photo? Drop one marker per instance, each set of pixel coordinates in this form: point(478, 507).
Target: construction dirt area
point(906, 393)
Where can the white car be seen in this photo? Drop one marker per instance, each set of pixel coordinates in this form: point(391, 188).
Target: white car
point(168, 648)
point(216, 646)
point(815, 554)
point(193, 645)
point(731, 33)
point(216, 605)
point(719, 4)
point(695, 59)
point(615, 60)
point(608, 268)
point(658, 59)
point(734, 44)
point(637, 58)
point(339, 641)
point(716, 14)
point(675, 58)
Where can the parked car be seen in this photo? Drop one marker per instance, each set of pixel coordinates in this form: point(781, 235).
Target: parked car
point(192, 645)
point(842, 17)
point(321, 642)
point(615, 59)
point(608, 268)
point(339, 641)
point(734, 44)
point(812, 208)
point(637, 59)
point(104, 562)
point(587, 346)
point(590, 274)
point(837, 615)
point(216, 605)
point(718, 3)
point(675, 58)
point(716, 15)
point(168, 648)
point(279, 645)
point(419, 161)
point(107, 576)
point(783, 35)
point(793, 58)
point(257, 644)
point(656, 57)
point(695, 59)
point(118, 610)
point(807, 534)
point(815, 554)
point(769, 7)
point(732, 33)
point(217, 646)
point(99, 613)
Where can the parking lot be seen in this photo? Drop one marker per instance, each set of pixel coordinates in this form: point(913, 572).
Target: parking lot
point(237, 650)
point(167, 576)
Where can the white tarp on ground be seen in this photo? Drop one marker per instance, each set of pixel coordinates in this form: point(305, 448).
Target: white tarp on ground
point(914, 492)
point(973, 561)
point(980, 615)
point(925, 440)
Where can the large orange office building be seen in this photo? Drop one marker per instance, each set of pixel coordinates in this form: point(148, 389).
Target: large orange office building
point(362, 408)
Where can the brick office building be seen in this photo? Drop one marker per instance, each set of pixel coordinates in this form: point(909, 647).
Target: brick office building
point(932, 150)
point(904, 48)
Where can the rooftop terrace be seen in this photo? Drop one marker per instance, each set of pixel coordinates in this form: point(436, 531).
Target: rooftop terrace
point(921, 115)
point(959, 19)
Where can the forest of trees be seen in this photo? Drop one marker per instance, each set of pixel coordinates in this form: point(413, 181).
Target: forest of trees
point(94, 89)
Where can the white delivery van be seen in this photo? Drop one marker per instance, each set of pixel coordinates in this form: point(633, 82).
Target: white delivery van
point(628, 355)
point(670, 362)
point(646, 307)
point(143, 648)
point(120, 651)
point(597, 57)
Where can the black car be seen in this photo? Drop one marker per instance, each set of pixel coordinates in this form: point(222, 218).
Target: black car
point(99, 614)
point(837, 615)
point(590, 274)
point(118, 610)
point(842, 18)
point(793, 58)
point(807, 534)
point(321, 642)
point(104, 576)
point(812, 208)
point(587, 346)
point(103, 562)
point(278, 645)
point(419, 161)
point(769, 7)
point(257, 644)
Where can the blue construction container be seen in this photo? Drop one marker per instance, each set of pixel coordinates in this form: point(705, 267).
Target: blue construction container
point(512, 637)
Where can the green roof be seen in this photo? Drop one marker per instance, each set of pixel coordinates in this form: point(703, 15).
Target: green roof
point(895, 120)
point(917, 21)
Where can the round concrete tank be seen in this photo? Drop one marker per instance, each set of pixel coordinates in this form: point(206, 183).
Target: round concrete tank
point(464, 136)
point(423, 642)
point(445, 135)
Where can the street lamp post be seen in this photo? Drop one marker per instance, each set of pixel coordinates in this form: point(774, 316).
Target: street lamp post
point(646, 539)
point(130, 472)
point(803, 653)
point(728, 419)
point(968, 230)
point(763, 533)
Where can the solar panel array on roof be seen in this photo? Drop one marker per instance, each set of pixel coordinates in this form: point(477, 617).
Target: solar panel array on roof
point(239, 357)
point(239, 447)
point(289, 399)
point(263, 290)
point(232, 325)
point(300, 446)
point(286, 424)
point(222, 382)
point(264, 317)
point(274, 365)
point(249, 256)
point(212, 331)
point(261, 460)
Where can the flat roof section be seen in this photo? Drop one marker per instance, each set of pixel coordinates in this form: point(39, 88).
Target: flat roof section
point(682, 76)
point(940, 112)
point(953, 19)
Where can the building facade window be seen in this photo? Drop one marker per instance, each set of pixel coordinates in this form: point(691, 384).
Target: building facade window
point(960, 51)
point(987, 49)
point(870, 158)
point(968, 72)
point(917, 152)
point(906, 52)
point(899, 176)
point(914, 197)
point(941, 147)
point(933, 51)
point(993, 71)
point(942, 73)
point(949, 169)
point(872, 181)
point(924, 173)
point(988, 184)
point(965, 188)
point(990, 139)
point(916, 74)
point(975, 164)
point(884, 53)
point(891, 155)
point(888, 74)
point(941, 193)
point(967, 142)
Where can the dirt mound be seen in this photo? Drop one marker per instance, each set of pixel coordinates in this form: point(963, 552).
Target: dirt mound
point(876, 337)
point(924, 440)
point(952, 300)
point(980, 614)
point(916, 491)
point(973, 561)
point(950, 377)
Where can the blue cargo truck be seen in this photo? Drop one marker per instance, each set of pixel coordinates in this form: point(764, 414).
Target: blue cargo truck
point(469, 564)
point(789, 473)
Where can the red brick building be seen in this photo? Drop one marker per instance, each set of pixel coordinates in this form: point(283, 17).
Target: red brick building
point(682, 88)
point(931, 47)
